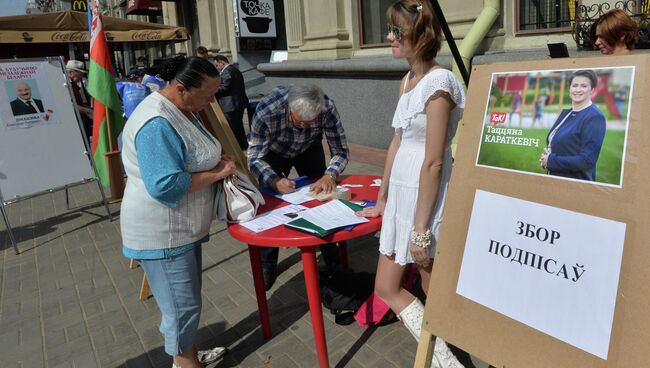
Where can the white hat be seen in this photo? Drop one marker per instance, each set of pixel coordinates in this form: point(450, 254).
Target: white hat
point(75, 65)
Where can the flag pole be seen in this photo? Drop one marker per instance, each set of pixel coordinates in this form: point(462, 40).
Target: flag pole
point(108, 128)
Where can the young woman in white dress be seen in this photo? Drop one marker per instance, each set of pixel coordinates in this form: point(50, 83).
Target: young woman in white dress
point(418, 164)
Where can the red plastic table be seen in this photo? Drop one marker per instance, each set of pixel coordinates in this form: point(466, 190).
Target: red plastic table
point(282, 236)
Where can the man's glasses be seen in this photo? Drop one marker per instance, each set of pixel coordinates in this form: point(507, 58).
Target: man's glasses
point(301, 123)
point(397, 32)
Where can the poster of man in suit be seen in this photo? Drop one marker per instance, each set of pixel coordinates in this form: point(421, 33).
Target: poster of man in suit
point(25, 103)
point(26, 98)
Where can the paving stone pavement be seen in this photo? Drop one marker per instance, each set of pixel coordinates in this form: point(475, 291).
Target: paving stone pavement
point(69, 298)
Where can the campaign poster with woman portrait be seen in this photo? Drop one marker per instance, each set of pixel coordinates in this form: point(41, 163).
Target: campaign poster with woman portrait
point(570, 124)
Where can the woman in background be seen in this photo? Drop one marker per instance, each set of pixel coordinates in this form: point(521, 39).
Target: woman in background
point(418, 164)
point(573, 144)
point(172, 164)
point(616, 33)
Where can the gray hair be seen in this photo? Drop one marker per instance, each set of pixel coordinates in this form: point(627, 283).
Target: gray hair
point(308, 101)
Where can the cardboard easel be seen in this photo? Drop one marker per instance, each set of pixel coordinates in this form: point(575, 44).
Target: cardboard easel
point(214, 120)
point(495, 337)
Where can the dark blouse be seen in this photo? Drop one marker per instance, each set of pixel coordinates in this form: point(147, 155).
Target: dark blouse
point(576, 144)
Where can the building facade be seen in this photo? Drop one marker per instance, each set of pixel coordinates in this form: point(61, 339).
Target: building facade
point(341, 44)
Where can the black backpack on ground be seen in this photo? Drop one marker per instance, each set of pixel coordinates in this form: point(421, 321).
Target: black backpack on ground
point(344, 291)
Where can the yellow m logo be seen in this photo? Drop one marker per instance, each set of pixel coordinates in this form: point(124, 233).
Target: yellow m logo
point(79, 5)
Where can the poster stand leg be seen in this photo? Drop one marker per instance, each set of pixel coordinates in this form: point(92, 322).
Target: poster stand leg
point(424, 353)
point(67, 198)
point(5, 217)
point(92, 164)
point(101, 190)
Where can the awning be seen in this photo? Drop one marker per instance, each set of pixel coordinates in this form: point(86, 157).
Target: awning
point(143, 7)
point(71, 26)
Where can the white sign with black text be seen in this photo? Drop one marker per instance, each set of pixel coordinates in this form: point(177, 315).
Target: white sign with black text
point(554, 270)
point(256, 18)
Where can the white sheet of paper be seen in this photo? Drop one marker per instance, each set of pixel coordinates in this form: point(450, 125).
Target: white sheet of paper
point(297, 197)
point(535, 281)
point(332, 215)
point(273, 218)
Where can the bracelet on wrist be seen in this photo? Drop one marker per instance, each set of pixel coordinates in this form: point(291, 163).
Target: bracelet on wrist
point(422, 240)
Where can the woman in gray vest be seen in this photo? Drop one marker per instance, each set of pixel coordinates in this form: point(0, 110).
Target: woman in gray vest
point(172, 164)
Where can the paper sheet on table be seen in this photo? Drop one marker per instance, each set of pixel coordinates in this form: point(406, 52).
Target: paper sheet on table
point(297, 197)
point(273, 218)
point(332, 215)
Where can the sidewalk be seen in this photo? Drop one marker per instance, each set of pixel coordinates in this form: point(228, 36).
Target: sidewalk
point(70, 300)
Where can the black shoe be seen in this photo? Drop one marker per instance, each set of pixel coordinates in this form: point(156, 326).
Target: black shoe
point(269, 278)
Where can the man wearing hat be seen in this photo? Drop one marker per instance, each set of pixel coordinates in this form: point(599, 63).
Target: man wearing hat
point(76, 72)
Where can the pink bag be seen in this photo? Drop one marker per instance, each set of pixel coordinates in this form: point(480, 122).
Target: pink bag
point(373, 310)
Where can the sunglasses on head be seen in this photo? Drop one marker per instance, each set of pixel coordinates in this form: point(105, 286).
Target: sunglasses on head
point(397, 32)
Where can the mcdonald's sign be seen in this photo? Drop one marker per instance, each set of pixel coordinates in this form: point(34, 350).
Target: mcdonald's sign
point(80, 5)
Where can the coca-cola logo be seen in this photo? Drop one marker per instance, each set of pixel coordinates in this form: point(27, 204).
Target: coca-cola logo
point(69, 36)
point(146, 36)
point(255, 7)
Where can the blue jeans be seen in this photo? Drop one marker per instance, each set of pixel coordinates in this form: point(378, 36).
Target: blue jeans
point(176, 285)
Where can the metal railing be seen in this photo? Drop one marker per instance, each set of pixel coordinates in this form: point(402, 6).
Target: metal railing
point(544, 14)
point(586, 16)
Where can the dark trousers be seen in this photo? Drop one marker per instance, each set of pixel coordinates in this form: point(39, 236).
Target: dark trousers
point(310, 163)
point(236, 122)
point(88, 128)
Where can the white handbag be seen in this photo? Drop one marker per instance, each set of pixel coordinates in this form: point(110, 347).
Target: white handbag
point(237, 198)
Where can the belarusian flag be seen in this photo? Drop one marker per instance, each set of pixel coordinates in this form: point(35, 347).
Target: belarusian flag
point(101, 85)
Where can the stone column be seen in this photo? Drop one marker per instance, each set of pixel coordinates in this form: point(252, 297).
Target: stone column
point(326, 34)
point(216, 27)
point(170, 17)
point(294, 24)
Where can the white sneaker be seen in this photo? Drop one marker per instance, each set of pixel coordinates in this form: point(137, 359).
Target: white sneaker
point(212, 355)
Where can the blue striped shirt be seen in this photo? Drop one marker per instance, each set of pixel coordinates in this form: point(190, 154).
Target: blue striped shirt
point(271, 130)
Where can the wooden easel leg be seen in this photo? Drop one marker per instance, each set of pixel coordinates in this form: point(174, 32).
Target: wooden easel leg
point(145, 291)
point(424, 353)
point(115, 176)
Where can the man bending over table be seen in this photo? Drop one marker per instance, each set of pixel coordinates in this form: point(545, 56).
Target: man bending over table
point(286, 132)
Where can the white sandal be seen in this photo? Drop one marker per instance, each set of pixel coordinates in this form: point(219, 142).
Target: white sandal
point(212, 355)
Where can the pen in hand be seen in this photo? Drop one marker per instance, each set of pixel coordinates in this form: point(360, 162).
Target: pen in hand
point(285, 186)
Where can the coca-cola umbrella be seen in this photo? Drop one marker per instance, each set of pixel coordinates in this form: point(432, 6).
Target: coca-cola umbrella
point(69, 26)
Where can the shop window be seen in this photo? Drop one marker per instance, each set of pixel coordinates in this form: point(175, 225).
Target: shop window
point(535, 16)
point(373, 27)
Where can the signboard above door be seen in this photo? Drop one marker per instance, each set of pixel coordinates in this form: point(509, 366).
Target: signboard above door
point(256, 18)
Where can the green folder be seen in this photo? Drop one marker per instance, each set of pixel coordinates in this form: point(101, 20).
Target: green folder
point(307, 226)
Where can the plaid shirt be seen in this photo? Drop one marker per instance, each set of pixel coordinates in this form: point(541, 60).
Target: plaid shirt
point(272, 131)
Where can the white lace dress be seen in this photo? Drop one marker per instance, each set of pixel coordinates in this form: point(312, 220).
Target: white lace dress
point(409, 122)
